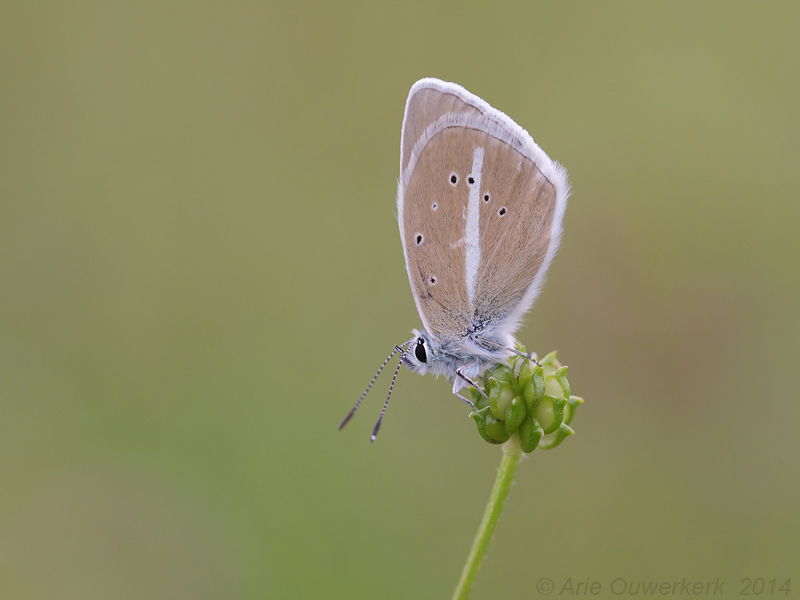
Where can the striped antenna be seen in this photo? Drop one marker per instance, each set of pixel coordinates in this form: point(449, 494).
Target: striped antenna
point(391, 387)
point(371, 383)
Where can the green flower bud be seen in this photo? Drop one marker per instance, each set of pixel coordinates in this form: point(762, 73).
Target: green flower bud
point(523, 370)
point(500, 372)
point(569, 410)
point(530, 433)
point(479, 416)
point(495, 429)
point(490, 429)
point(550, 413)
point(480, 420)
point(550, 364)
point(551, 441)
point(500, 395)
point(533, 401)
point(534, 389)
point(515, 414)
point(553, 387)
point(561, 375)
point(550, 359)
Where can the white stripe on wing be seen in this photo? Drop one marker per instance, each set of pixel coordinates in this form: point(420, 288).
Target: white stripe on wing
point(472, 235)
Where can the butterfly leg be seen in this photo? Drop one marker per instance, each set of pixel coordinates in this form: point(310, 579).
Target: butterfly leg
point(471, 405)
point(471, 383)
point(514, 350)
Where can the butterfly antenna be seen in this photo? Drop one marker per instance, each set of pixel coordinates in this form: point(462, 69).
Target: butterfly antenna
point(385, 404)
point(371, 383)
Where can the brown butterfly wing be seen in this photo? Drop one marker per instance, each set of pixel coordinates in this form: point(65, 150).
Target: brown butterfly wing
point(433, 220)
point(424, 108)
point(518, 227)
point(517, 211)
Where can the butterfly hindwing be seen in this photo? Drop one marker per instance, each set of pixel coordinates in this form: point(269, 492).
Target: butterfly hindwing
point(517, 213)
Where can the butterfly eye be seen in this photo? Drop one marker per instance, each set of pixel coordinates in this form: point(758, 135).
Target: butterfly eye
point(419, 351)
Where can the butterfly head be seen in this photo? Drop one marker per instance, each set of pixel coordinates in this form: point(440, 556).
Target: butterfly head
point(424, 354)
point(420, 354)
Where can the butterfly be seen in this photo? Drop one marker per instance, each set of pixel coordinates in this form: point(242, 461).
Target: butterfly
point(480, 208)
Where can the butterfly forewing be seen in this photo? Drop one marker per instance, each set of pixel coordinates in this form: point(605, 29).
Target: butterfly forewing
point(425, 106)
point(434, 219)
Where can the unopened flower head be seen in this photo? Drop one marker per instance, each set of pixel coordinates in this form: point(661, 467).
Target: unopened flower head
point(532, 401)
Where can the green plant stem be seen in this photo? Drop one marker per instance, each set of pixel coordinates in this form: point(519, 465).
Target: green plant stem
point(505, 475)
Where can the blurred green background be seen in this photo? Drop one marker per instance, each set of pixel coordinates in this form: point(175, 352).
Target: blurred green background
point(200, 271)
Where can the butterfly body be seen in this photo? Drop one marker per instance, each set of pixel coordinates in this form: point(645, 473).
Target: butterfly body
point(468, 354)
